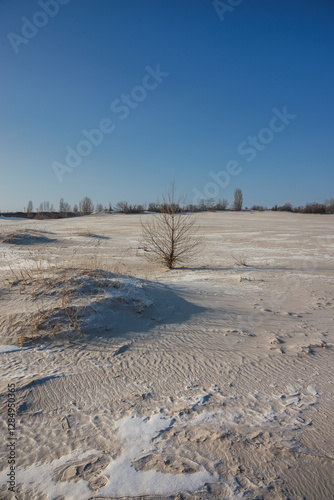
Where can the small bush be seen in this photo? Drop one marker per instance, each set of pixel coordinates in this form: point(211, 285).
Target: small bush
point(171, 236)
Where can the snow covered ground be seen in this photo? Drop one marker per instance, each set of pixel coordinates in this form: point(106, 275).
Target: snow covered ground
point(209, 381)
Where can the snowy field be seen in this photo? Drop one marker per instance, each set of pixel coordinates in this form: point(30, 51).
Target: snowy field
point(211, 381)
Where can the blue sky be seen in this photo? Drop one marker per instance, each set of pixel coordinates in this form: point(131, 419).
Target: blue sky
point(224, 70)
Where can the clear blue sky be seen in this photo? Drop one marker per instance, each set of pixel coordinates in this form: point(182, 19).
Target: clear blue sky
point(227, 71)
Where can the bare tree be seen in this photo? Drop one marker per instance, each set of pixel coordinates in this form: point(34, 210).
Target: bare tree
point(86, 206)
point(205, 204)
point(64, 208)
point(172, 236)
point(153, 207)
point(61, 206)
point(44, 207)
point(30, 208)
point(122, 207)
point(99, 207)
point(238, 199)
point(221, 204)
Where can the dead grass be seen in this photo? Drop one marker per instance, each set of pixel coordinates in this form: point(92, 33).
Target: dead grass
point(63, 290)
point(27, 237)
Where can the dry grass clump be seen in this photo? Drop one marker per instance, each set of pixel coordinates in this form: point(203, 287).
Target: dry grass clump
point(26, 237)
point(61, 298)
point(65, 294)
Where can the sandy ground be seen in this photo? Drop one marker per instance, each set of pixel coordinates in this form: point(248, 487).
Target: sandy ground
point(212, 381)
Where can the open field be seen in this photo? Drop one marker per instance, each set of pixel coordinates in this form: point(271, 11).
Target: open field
point(212, 381)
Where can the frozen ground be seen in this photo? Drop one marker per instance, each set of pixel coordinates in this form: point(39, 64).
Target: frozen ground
point(212, 381)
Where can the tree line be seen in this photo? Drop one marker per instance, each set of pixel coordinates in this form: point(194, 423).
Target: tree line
point(64, 209)
point(86, 207)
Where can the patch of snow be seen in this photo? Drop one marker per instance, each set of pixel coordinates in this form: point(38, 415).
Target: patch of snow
point(292, 389)
point(124, 479)
point(41, 474)
point(241, 332)
point(312, 390)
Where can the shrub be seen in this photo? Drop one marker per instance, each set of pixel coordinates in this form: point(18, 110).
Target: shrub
point(171, 238)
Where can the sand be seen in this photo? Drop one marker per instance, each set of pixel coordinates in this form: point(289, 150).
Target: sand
point(210, 381)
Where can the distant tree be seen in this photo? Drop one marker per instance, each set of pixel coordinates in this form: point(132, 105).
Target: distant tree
point(314, 208)
point(287, 207)
point(122, 207)
point(135, 209)
point(238, 199)
point(221, 204)
point(202, 206)
point(86, 206)
point(46, 206)
point(99, 207)
point(110, 207)
point(61, 206)
point(206, 204)
point(75, 209)
point(259, 208)
point(170, 236)
point(30, 208)
point(153, 207)
point(191, 208)
point(64, 208)
point(210, 203)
